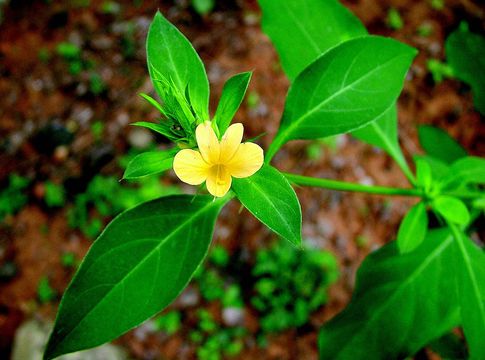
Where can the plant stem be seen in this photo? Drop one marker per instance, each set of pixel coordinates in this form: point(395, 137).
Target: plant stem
point(346, 186)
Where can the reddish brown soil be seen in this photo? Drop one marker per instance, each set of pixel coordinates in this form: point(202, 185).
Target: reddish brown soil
point(229, 40)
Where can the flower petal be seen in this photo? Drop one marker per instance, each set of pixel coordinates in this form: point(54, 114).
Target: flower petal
point(230, 142)
point(219, 181)
point(246, 161)
point(190, 167)
point(208, 142)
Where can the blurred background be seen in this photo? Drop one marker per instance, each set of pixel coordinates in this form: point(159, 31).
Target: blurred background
point(70, 75)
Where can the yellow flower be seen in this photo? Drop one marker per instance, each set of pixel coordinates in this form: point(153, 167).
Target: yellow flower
point(217, 162)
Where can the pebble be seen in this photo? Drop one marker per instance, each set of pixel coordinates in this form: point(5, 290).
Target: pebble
point(31, 338)
point(233, 316)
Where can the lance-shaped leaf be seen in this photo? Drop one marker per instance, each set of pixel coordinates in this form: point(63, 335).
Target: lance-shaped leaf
point(413, 228)
point(470, 282)
point(344, 89)
point(231, 98)
point(171, 56)
point(303, 30)
point(149, 163)
point(137, 266)
point(439, 145)
point(383, 133)
point(401, 303)
point(452, 209)
point(271, 199)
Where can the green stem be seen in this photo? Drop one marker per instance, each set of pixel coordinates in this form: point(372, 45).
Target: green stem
point(401, 162)
point(345, 186)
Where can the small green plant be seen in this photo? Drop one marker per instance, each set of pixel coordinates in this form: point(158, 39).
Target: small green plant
point(71, 54)
point(438, 4)
point(439, 70)
point(68, 260)
point(213, 341)
point(96, 84)
point(343, 80)
point(55, 195)
point(394, 19)
point(45, 293)
point(13, 198)
point(169, 322)
point(203, 7)
point(290, 285)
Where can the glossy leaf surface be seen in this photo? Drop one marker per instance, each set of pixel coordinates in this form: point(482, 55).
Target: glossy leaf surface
point(271, 199)
point(439, 145)
point(344, 89)
point(452, 209)
point(171, 56)
point(303, 30)
point(401, 302)
point(137, 266)
point(149, 163)
point(231, 98)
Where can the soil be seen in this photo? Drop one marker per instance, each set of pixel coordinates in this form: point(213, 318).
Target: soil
point(38, 94)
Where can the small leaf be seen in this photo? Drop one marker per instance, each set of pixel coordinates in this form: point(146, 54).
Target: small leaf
point(137, 266)
point(231, 98)
point(467, 170)
point(271, 199)
point(438, 144)
point(438, 168)
point(401, 302)
point(152, 102)
point(171, 55)
point(413, 228)
point(299, 34)
point(452, 209)
point(464, 52)
point(424, 177)
point(149, 163)
point(470, 282)
point(159, 128)
point(346, 88)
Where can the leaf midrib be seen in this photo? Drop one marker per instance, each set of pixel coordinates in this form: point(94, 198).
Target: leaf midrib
point(336, 94)
point(404, 284)
point(156, 248)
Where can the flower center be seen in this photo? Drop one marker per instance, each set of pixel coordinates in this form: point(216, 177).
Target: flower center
point(218, 172)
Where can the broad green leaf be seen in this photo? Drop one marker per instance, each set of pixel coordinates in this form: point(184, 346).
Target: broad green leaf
point(232, 96)
point(137, 266)
point(170, 55)
point(303, 30)
point(401, 302)
point(470, 281)
point(467, 170)
point(160, 128)
point(271, 199)
point(413, 228)
point(464, 52)
point(452, 209)
point(346, 88)
point(383, 133)
point(439, 145)
point(149, 163)
point(424, 176)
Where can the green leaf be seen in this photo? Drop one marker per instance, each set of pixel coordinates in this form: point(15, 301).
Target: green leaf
point(383, 133)
point(439, 145)
point(452, 209)
point(300, 34)
point(152, 102)
point(346, 88)
point(438, 168)
point(149, 163)
point(159, 128)
point(401, 302)
point(271, 199)
point(170, 55)
point(413, 228)
point(464, 52)
point(137, 266)
point(470, 282)
point(424, 175)
point(468, 170)
point(231, 98)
